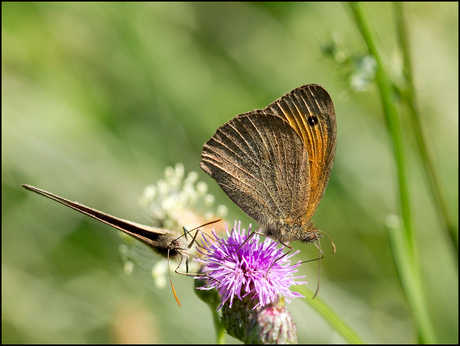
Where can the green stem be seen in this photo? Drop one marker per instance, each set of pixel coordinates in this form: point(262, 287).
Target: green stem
point(212, 300)
point(336, 321)
point(408, 94)
point(410, 279)
point(409, 263)
point(218, 326)
point(391, 117)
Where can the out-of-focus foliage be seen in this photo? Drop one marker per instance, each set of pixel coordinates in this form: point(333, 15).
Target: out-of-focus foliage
point(99, 98)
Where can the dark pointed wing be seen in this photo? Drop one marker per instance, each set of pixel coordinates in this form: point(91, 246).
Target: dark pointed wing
point(260, 162)
point(310, 112)
point(158, 239)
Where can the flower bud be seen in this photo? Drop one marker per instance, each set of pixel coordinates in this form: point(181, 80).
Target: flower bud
point(272, 324)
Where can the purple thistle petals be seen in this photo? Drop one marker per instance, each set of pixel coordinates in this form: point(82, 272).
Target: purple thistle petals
point(256, 269)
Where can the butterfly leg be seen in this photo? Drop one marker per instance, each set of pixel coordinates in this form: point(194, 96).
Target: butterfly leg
point(287, 253)
point(244, 242)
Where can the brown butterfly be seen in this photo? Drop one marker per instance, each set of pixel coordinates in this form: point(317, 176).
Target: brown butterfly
point(275, 163)
point(169, 244)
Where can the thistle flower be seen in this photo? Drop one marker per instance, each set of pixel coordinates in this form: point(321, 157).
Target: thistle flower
point(249, 269)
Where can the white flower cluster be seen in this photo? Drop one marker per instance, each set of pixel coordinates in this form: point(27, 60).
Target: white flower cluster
point(175, 202)
point(179, 201)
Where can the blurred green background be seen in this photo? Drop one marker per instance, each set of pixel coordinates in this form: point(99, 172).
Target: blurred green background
point(97, 99)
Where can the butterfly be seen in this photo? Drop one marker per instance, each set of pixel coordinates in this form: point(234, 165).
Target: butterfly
point(167, 243)
point(275, 163)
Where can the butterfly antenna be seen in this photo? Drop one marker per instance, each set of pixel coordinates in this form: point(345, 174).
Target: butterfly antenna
point(321, 255)
point(198, 230)
point(334, 249)
point(170, 280)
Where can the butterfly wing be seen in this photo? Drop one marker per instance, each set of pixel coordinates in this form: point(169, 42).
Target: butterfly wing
point(260, 162)
point(158, 239)
point(310, 112)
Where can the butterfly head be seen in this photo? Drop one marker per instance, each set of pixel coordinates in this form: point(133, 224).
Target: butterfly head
point(172, 246)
